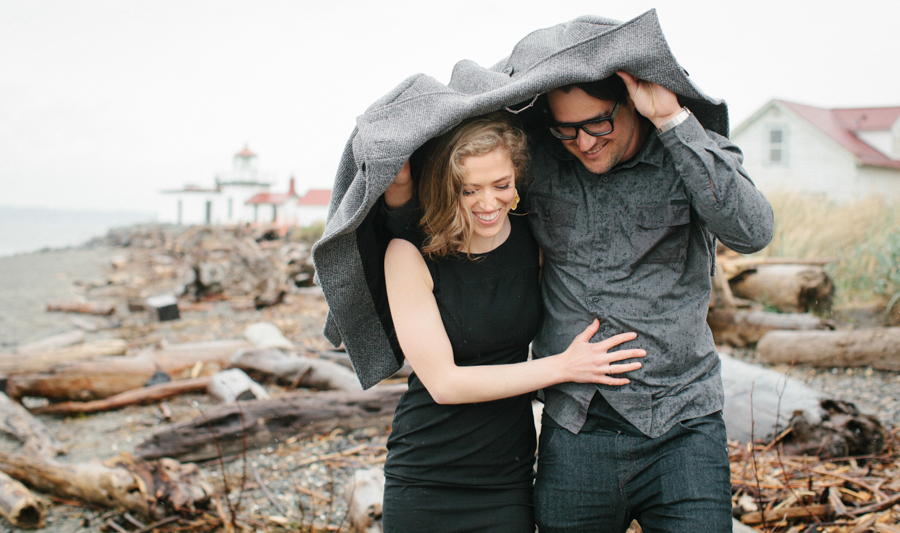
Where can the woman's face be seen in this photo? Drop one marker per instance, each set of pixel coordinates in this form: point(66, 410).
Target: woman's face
point(489, 190)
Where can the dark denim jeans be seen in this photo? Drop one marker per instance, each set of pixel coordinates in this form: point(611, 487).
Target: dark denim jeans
point(600, 481)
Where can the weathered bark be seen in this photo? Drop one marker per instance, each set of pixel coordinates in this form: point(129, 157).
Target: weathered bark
point(265, 335)
point(746, 327)
point(17, 421)
point(231, 428)
point(297, 371)
point(41, 362)
point(150, 489)
point(800, 511)
point(105, 377)
point(232, 385)
point(877, 347)
point(761, 404)
point(364, 493)
point(84, 307)
point(142, 396)
point(54, 342)
point(20, 506)
point(789, 288)
point(844, 432)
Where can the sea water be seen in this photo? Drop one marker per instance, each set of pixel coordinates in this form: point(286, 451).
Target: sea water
point(26, 229)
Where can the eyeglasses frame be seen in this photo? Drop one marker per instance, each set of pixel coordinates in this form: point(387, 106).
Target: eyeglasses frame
point(611, 118)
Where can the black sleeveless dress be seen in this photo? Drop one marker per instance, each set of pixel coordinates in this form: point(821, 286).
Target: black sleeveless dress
point(469, 467)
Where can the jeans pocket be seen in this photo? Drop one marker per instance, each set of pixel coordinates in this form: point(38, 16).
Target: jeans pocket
point(661, 232)
point(552, 221)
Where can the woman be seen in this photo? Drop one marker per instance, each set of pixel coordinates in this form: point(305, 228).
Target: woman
point(465, 307)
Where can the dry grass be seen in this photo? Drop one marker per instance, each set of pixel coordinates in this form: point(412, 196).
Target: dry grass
point(862, 239)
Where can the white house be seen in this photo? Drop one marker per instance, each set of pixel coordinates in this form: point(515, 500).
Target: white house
point(313, 207)
point(275, 208)
point(225, 203)
point(842, 154)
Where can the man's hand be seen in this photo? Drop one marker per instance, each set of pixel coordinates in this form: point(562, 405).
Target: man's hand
point(653, 101)
point(401, 190)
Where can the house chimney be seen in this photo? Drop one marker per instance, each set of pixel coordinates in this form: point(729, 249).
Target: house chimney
point(291, 189)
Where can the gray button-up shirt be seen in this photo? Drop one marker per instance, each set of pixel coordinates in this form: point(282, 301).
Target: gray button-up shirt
point(634, 247)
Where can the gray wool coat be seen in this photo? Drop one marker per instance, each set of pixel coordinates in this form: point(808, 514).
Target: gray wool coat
point(347, 258)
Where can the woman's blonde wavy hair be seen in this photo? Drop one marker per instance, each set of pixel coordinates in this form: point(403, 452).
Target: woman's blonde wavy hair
point(447, 223)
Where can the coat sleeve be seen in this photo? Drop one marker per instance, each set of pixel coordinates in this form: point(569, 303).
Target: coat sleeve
point(722, 194)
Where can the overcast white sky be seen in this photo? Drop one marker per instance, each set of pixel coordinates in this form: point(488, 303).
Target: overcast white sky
point(103, 103)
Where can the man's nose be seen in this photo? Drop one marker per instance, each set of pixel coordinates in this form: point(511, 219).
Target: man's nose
point(584, 140)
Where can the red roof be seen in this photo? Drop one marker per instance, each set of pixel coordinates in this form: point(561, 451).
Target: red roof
point(842, 125)
point(269, 198)
point(316, 197)
point(245, 152)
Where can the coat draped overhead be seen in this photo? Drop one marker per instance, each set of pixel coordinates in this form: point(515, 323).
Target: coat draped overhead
point(349, 257)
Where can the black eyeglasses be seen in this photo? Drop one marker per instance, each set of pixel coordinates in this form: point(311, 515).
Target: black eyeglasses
point(597, 127)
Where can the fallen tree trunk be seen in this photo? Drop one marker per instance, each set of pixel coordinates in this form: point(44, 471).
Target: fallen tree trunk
point(364, 493)
point(83, 307)
point(876, 347)
point(11, 364)
point(150, 489)
point(742, 327)
point(54, 342)
point(761, 404)
point(788, 288)
point(20, 506)
point(232, 428)
point(17, 421)
point(298, 371)
point(142, 396)
point(105, 377)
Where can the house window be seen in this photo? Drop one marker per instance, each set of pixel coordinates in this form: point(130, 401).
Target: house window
point(776, 145)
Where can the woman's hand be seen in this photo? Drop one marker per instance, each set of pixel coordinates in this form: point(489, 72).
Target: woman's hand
point(401, 190)
point(590, 362)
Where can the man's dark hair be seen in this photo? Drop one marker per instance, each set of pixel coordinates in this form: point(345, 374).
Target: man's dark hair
point(611, 89)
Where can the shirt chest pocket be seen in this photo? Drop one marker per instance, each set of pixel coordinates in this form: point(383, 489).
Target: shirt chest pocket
point(552, 222)
point(661, 232)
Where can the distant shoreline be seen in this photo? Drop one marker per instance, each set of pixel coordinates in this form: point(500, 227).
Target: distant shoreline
point(26, 230)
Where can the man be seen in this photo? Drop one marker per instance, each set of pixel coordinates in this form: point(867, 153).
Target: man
point(626, 215)
point(629, 191)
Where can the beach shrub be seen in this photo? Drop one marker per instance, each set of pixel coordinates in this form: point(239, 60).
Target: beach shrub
point(862, 240)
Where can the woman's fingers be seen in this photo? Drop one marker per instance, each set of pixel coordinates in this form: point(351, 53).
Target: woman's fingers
point(626, 367)
point(585, 336)
point(615, 340)
point(624, 354)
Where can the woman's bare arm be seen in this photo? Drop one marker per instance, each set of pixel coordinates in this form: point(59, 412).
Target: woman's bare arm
point(425, 344)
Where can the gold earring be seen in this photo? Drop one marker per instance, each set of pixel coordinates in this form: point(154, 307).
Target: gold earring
point(515, 202)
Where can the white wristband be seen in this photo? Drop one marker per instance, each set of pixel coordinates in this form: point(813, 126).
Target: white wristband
point(679, 118)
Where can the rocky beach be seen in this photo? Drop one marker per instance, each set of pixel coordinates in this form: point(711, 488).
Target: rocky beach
point(294, 484)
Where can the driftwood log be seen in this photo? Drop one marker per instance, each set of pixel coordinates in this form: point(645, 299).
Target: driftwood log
point(150, 489)
point(763, 404)
point(745, 327)
point(142, 396)
point(105, 377)
point(233, 428)
point(19, 422)
point(84, 307)
point(20, 506)
point(297, 371)
point(232, 385)
point(364, 493)
point(54, 342)
point(876, 347)
point(788, 288)
point(41, 362)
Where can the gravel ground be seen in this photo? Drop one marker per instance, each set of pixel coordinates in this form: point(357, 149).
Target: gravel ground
point(296, 485)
